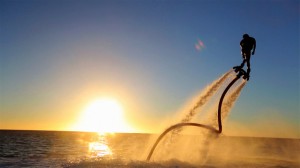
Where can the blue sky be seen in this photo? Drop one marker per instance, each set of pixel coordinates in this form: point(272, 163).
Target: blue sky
point(55, 54)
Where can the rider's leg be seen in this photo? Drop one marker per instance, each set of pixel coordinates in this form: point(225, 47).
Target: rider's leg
point(244, 60)
point(248, 64)
point(242, 64)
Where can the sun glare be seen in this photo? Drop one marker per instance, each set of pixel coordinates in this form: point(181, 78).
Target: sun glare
point(103, 115)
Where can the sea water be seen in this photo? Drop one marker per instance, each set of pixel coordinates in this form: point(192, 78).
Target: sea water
point(82, 149)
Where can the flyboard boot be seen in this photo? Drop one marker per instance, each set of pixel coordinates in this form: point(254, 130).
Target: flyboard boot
point(241, 72)
point(247, 75)
point(237, 68)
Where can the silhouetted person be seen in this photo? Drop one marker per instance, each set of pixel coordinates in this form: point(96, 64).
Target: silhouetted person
point(247, 44)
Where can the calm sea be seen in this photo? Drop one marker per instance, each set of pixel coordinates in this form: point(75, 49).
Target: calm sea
point(81, 149)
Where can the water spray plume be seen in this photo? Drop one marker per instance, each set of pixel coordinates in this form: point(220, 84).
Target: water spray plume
point(211, 90)
point(229, 102)
point(208, 92)
point(206, 95)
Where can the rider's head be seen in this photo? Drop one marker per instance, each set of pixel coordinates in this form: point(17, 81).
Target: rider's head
point(245, 36)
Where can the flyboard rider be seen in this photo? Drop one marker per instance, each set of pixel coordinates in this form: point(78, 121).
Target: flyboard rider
point(247, 44)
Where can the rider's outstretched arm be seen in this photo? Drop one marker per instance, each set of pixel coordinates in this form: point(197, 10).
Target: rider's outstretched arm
point(254, 46)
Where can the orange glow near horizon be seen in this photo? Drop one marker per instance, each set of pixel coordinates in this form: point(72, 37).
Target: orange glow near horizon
point(103, 115)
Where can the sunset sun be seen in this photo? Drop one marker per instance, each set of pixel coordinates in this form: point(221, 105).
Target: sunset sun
point(103, 115)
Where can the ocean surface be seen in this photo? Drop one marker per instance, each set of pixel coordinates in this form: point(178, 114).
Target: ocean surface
point(81, 149)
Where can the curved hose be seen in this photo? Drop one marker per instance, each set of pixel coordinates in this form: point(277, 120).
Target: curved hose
point(221, 102)
point(176, 126)
point(196, 124)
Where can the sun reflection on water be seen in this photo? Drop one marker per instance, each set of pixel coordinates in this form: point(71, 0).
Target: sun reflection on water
point(99, 147)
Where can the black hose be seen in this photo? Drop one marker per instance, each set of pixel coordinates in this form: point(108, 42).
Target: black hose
point(196, 124)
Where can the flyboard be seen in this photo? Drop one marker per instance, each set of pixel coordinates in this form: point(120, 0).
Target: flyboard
point(240, 73)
